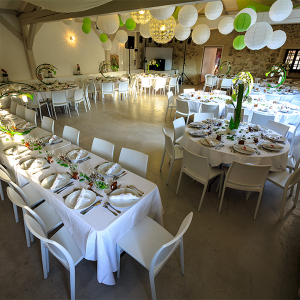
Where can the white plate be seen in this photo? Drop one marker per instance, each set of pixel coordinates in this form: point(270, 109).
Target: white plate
point(27, 163)
point(197, 125)
point(276, 138)
point(72, 198)
point(268, 147)
point(123, 203)
point(214, 141)
point(46, 139)
point(19, 149)
point(197, 133)
point(48, 181)
point(243, 151)
point(102, 169)
point(73, 154)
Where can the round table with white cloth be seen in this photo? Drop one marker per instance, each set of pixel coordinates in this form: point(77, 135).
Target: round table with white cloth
point(47, 94)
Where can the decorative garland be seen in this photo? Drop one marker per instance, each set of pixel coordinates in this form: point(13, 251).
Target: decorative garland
point(277, 69)
point(14, 88)
point(103, 65)
point(152, 62)
point(13, 132)
point(247, 79)
point(226, 63)
point(47, 67)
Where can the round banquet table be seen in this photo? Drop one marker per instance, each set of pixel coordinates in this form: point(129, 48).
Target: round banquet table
point(44, 95)
point(277, 160)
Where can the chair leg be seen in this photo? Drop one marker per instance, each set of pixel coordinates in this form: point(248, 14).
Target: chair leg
point(283, 202)
point(44, 260)
point(297, 195)
point(152, 285)
point(27, 235)
point(40, 113)
point(171, 166)
point(257, 205)
point(248, 195)
point(166, 113)
point(72, 282)
point(1, 191)
point(202, 197)
point(181, 256)
point(118, 261)
point(84, 105)
point(15, 208)
point(179, 180)
point(162, 160)
point(223, 192)
point(54, 112)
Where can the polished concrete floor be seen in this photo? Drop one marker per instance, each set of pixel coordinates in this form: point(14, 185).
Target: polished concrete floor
point(227, 255)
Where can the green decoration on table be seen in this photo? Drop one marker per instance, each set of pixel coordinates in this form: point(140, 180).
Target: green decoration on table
point(152, 62)
point(247, 80)
point(120, 22)
point(103, 65)
point(176, 12)
point(252, 6)
point(14, 132)
point(239, 42)
point(234, 124)
point(87, 21)
point(103, 37)
point(48, 67)
point(281, 72)
point(226, 63)
point(242, 22)
point(86, 28)
point(130, 24)
point(15, 89)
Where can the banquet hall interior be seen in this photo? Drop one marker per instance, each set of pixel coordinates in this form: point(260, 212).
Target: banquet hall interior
point(149, 149)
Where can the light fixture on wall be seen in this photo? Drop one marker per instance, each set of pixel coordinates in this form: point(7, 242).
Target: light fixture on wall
point(71, 38)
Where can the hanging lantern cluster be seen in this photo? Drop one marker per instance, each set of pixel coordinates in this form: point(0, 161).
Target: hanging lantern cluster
point(162, 31)
point(141, 16)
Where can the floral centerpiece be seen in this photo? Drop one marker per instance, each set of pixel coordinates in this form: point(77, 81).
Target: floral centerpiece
point(4, 75)
point(234, 124)
point(45, 67)
point(114, 62)
point(14, 89)
point(152, 62)
point(78, 69)
point(247, 79)
point(224, 64)
point(12, 130)
point(281, 72)
point(103, 65)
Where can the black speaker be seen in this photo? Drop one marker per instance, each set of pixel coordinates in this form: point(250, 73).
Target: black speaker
point(130, 43)
point(141, 39)
point(161, 66)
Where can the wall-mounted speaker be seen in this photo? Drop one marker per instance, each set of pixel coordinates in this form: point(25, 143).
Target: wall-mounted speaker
point(141, 39)
point(130, 43)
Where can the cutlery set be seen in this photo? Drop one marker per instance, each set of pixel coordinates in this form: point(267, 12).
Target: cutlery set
point(140, 193)
point(64, 187)
point(84, 160)
point(119, 176)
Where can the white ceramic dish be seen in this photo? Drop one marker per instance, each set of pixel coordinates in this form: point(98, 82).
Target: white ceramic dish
point(123, 203)
point(102, 169)
point(197, 133)
point(270, 148)
point(48, 181)
point(73, 154)
point(197, 125)
point(26, 165)
point(19, 149)
point(70, 202)
point(48, 137)
point(276, 138)
point(240, 149)
point(214, 141)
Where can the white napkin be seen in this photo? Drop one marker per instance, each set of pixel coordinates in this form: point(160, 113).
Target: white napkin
point(111, 169)
point(272, 146)
point(81, 200)
point(79, 154)
point(28, 124)
point(126, 196)
point(52, 139)
point(38, 163)
point(56, 181)
point(208, 141)
point(245, 148)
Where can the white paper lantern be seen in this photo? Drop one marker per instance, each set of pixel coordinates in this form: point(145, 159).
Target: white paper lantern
point(107, 45)
point(252, 14)
point(125, 16)
point(182, 33)
point(258, 35)
point(280, 10)
point(121, 36)
point(213, 10)
point(226, 25)
point(144, 30)
point(188, 16)
point(201, 34)
point(69, 22)
point(109, 24)
point(278, 39)
point(162, 13)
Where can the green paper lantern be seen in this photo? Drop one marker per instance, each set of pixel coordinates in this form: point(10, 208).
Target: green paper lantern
point(87, 21)
point(86, 28)
point(239, 42)
point(130, 24)
point(251, 6)
point(103, 37)
point(120, 23)
point(175, 13)
point(242, 22)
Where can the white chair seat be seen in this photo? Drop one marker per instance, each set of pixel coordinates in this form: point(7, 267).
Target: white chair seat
point(33, 196)
point(177, 141)
point(178, 152)
point(279, 178)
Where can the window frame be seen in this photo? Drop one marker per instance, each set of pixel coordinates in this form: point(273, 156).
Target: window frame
point(296, 60)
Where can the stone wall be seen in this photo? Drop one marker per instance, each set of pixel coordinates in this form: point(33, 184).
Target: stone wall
point(256, 62)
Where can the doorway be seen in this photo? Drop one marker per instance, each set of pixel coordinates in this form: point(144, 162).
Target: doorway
point(211, 61)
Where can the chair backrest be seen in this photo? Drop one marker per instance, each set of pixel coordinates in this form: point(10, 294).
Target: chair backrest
point(247, 175)
point(145, 82)
point(281, 129)
point(17, 189)
point(295, 102)
point(210, 108)
point(172, 81)
point(246, 118)
point(296, 154)
point(198, 117)
point(166, 250)
point(107, 87)
point(182, 106)
point(71, 134)
point(78, 94)
point(59, 98)
point(4, 175)
point(91, 86)
point(186, 91)
point(48, 124)
point(134, 161)
point(30, 116)
point(219, 92)
point(169, 146)
point(170, 98)
point(103, 148)
point(13, 107)
point(33, 102)
point(160, 82)
point(261, 119)
point(20, 111)
point(294, 178)
point(226, 83)
point(273, 97)
point(179, 128)
point(123, 86)
point(210, 81)
point(15, 197)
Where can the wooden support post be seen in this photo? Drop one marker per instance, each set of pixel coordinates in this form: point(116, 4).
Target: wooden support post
point(11, 28)
point(31, 35)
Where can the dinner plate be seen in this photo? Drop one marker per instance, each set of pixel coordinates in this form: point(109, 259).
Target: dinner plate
point(26, 165)
point(276, 138)
point(70, 202)
point(19, 126)
point(197, 133)
point(48, 181)
point(214, 141)
point(241, 149)
point(102, 169)
point(18, 150)
point(197, 124)
point(270, 148)
point(123, 203)
point(73, 154)
point(46, 139)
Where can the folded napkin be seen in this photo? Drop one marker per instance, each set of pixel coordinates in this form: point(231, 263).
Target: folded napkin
point(52, 139)
point(208, 141)
point(24, 126)
point(56, 181)
point(81, 200)
point(272, 146)
point(126, 196)
point(245, 148)
point(197, 132)
point(37, 163)
point(79, 154)
point(111, 169)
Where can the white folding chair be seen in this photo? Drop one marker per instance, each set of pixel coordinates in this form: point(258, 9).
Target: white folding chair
point(160, 84)
point(30, 116)
point(34, 103)
point(61, 245)
point(13, 107)
point(281, 129)
point(183, 109)
point(205, 108)
point(198, 117)
point(198, 168)
point(77, 99)
point(172, 84)
point(174, 153)
point(134, 161)
point(171, 103)
point(20, 111)
point(92, 89)
point(108, 89)
point(48, 124)
point(179, 129)
point(187, 91)
point(151, 245)
point(146, 84)
point(103, 148)
point(71, 134)
point(123, 89)
point(226, 84)
point(245, 177)
point(60, 99)
point(261, 119)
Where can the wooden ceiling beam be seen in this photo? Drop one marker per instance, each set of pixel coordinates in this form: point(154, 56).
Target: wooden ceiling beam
point(7, 11)
point(31, 35)
point(11, 28)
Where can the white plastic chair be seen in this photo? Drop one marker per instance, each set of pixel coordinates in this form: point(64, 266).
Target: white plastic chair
point(60, 99)
point(48, 124)
point(44, 211)
point(198, 117)
point(205, 108)
point(172, 84)
point(77, 99)
point(151, 245)
point(13, 107)
point(34, 103)
point(71, 134)
point(86, 95)
point(146, 83)
point(30, 116)
point(134, 161)
point(171, 103)
point(174, 153)
point(123, 89)
point(20, 111)
point(294, 159)
point(261, 119)
point(179, 129)
point(257, 80)
point(92, 89)
point(160, 84)
point(226, 84)
point(210, 81)
point(229, 109)
point(281, 129)
point(198, 168)
point(245, 177)
point(133, 88)
point(108, 89)
point(219, 92)
point(187, 91)
point(61, 245)
point(11, 177)
point(229, 116)
point(103, 148)
point(183, 109)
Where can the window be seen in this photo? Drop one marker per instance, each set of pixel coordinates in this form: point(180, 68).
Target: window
point(292, 59)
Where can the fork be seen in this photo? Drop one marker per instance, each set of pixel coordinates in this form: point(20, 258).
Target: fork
point(84, 160)
point(132, 187)
point(258, 152)
point(107, 203)
point(110, 210)
point(64, 187)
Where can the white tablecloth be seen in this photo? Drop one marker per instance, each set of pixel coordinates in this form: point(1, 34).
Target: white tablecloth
point(42, 96)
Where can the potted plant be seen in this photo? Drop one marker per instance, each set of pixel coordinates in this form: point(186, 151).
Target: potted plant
point(4, 75)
